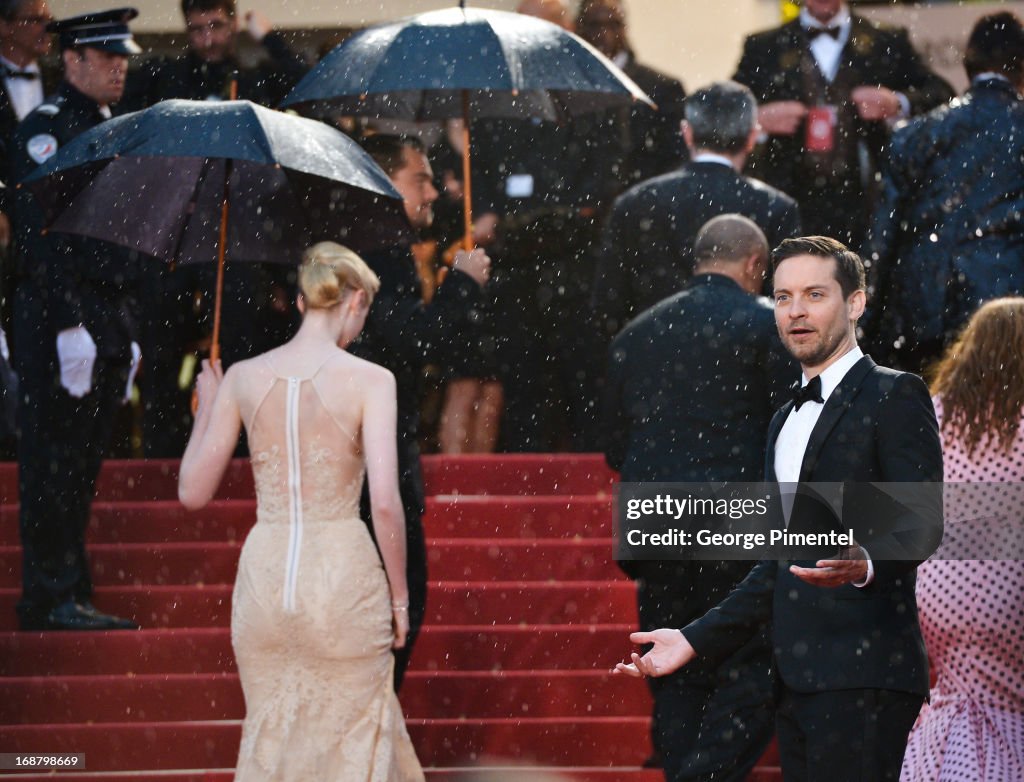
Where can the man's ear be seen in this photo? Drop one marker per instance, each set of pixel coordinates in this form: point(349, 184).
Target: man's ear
point(856, 303)
point(687, 134)
point(754, 134)
point(300, 304)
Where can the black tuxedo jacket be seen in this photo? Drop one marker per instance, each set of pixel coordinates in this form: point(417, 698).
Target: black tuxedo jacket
point(877, 426)
point(873, 55)
point(647, 247)
point(9, 123)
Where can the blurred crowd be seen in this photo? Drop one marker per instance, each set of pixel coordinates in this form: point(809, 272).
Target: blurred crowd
point(589, 222)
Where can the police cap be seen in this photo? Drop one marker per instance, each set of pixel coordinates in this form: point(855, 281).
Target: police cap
point(104, 30)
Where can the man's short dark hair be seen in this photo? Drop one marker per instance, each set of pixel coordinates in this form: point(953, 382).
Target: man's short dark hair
point(207, 6)
point(849, 266)
point(996, 45)
point(388, 151)
point(721, 116)
point(730, 238)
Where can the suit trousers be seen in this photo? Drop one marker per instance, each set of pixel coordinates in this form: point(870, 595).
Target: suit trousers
point(709, 722)
point(62, 441)
point(845, 735)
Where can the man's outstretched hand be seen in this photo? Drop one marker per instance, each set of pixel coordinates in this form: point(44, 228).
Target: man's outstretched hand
point(671, 652)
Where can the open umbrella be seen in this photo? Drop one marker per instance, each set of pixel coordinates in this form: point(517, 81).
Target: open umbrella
point(464, 62)
point(163, 180)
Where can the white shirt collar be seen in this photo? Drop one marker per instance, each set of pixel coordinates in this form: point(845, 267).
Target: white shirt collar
point(840, 20)
point(836, 371)
point(711, 157)
point(621, 59)
point(32, 67)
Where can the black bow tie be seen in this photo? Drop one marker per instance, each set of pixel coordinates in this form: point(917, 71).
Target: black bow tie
point(809, 393)
point(12, 74)
point(814, 32)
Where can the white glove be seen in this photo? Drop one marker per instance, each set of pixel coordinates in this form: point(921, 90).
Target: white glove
point(133, 370)
point(77, 353)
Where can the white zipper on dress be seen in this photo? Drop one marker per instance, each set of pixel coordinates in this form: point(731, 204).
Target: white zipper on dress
point(294, 494)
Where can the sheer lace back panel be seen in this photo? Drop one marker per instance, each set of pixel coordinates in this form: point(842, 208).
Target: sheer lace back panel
point(307, 465)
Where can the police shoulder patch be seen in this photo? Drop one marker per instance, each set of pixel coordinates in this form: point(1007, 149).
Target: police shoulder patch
point(42, 147)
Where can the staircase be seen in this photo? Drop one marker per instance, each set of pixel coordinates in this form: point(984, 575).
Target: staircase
point(526, 614)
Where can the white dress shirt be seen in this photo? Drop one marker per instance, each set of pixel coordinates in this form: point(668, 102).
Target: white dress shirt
point(24, 94)
point(711, 157)
point(791, 444)
point(825, 48)
point(828, 50)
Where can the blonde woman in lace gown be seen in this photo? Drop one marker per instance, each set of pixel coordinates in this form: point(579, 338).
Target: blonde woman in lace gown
point(315, 612)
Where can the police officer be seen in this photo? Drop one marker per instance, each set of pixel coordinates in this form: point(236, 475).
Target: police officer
point(73, 337)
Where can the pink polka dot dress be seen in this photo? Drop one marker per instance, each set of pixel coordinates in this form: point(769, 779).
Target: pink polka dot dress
point(972, 616)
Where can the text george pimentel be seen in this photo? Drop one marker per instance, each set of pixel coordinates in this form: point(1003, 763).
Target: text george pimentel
point(745, 540)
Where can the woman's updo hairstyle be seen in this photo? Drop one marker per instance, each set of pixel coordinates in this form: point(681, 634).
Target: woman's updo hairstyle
point(328, 270)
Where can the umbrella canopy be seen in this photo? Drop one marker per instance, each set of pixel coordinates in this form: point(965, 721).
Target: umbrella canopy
point(155, 181)
point(426, 66)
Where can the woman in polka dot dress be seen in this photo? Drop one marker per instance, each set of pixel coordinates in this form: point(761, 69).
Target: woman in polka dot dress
point(972, 610)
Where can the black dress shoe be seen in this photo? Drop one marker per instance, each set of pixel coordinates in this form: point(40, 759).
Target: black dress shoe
point(74, 616)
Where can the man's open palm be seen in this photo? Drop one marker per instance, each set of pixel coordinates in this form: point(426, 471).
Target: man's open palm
point(671, 651)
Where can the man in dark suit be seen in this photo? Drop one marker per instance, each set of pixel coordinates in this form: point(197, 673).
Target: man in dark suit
point(830, 84)
point(647, 248)
point(649, 137)
point(701, 419)
point(850, 661)
point(404, 334)
point(23, 84)
point(948, 231)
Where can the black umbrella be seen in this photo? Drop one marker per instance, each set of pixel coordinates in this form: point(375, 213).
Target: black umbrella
point(160, 181)
point(468, 63)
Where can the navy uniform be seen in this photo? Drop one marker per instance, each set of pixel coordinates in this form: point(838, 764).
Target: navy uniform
point(73, 348)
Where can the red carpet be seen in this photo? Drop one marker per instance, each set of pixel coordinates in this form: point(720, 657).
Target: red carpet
point(526, 614)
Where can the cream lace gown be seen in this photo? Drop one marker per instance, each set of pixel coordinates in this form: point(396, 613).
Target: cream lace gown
point(311, 616)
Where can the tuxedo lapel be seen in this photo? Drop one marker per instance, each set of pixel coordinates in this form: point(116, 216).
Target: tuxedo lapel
point(836, 405)
point(773, 434)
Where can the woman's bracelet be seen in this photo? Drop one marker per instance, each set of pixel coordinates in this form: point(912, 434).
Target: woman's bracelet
point(400, 606)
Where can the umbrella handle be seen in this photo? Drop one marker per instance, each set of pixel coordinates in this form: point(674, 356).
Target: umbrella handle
point(467, 185)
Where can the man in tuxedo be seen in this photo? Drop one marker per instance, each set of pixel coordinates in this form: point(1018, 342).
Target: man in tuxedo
point(849, 658)
point(404, 334)
point(647, 247)
point(649, 137)
point(23, 40)
point(701, 419)
point(830, 84)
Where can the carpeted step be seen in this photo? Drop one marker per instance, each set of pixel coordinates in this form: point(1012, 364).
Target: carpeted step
point(449, 603)
point(498, 516)
point(208, 650)
point(202, 697)
point(125, 564)
point(591, 741)
point(523, 474)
